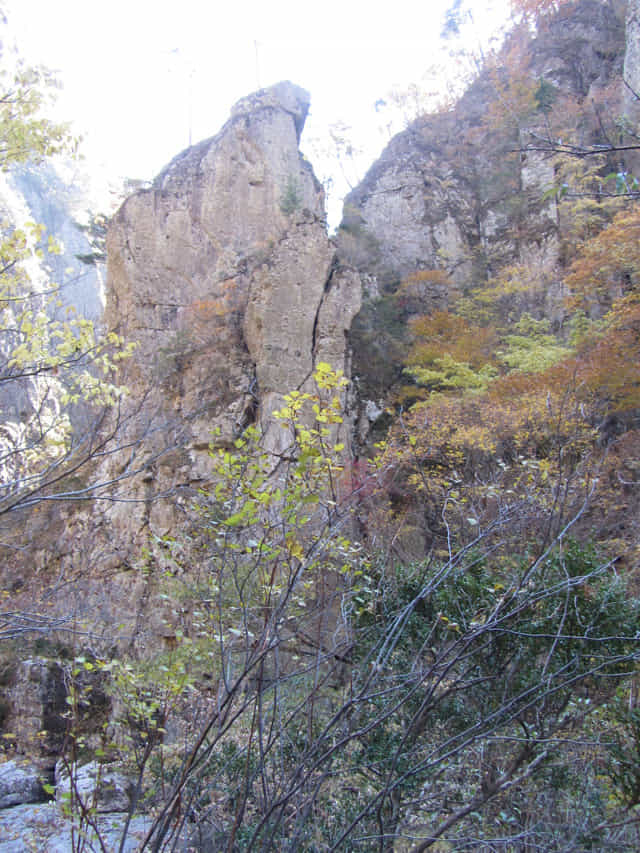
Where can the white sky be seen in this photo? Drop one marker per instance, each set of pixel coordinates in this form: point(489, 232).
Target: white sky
point(139, 74)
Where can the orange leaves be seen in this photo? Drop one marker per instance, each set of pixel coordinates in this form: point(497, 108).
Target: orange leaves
point(429, 277)
point(608, 363)
point(526, 422)
point(449, 353)
point(607, 275)
point(515, 101)
point(423, 288)
point(609, 264)
point(206, 318)
point(205, 310)
point(444, 333)
point(514, 88)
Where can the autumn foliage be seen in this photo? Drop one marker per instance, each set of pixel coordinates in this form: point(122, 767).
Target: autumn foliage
point(507, 410)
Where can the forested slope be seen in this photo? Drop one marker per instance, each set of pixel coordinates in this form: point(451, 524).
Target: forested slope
point(500, 238)
point(394, 607)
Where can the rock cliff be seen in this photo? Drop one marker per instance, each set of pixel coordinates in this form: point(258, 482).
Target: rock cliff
point(223, 275)
point(452, 193)
point(52, 195)
point(631, 69)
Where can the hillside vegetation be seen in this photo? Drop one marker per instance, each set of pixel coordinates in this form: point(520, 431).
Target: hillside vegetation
point(428, 644)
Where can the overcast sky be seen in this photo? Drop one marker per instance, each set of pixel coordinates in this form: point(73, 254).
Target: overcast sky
point(140, 76)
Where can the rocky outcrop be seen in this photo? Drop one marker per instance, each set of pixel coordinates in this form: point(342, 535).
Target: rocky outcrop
point(631, 71)
point(99, 785)
point(43, 827)
point(36, 707)
point(56, 196)
point(220, 272)
point(443, 191)
point(50, 195)
point(452, 192)
point(223, 275)
point(22, 783)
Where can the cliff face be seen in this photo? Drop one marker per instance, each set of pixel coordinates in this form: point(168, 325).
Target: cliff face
point(440, 191)
point(631, 69)
point(56, 196)
point(52, 196)
point(223, 274)
point(452, 192)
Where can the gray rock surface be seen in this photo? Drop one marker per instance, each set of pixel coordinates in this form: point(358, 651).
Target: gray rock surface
point(452, 193)
point(41, 828)
point(223, 275)
point(36, 705)
point(48, 195)
point(219, 270)
point(631, 72)
point(438, 193)
point(55, 195)
point(21, 782)
point(109, 790)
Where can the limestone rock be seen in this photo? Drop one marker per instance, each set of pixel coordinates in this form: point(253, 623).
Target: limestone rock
point(436, 196)
point(36, 721)
point(185, 255)
point(223, 275)
point(111, 791)
point(36, 703)
point(21, 782)
point(451, 192)
point(631, 71)
point(42, 827)
point(281, 96)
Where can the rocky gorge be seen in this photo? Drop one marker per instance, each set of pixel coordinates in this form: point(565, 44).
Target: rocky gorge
point(223, 275)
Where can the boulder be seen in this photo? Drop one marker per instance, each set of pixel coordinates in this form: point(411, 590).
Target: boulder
point(21, 782)
point(43, 828)
point(36, 707)
point(110, 790)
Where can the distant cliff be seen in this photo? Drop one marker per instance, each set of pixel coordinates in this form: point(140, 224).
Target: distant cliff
point(55, 196)
point(452, 192)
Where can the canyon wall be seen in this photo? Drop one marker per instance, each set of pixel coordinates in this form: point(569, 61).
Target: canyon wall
point(453, 192)
point(223, 276)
